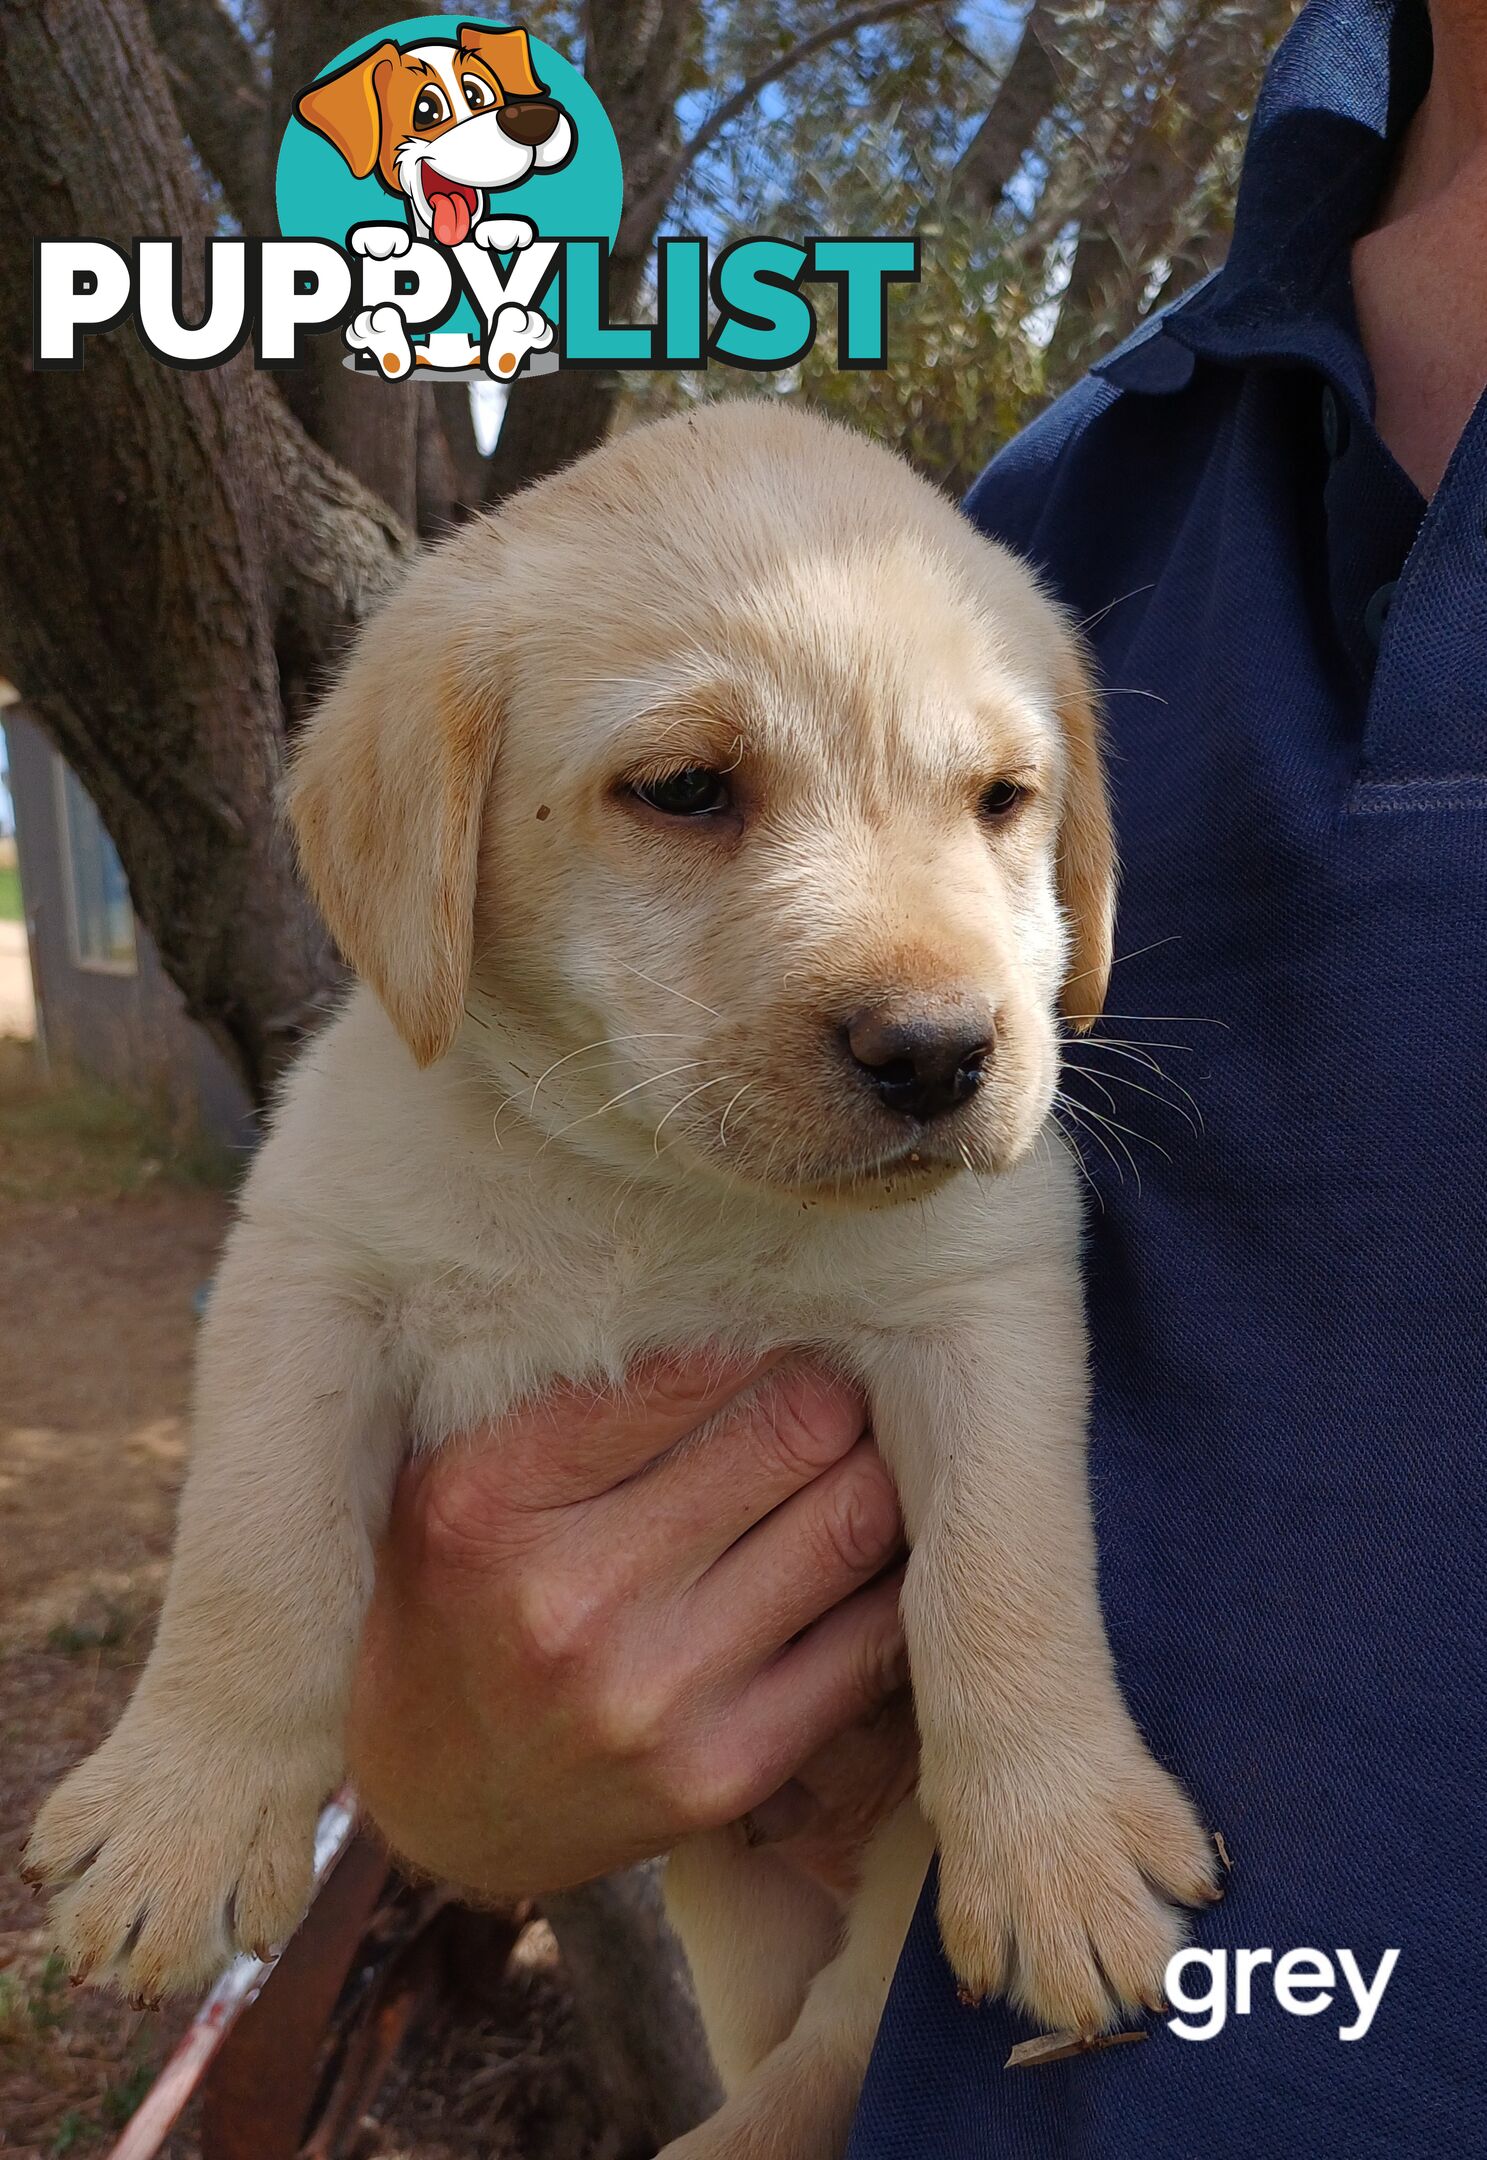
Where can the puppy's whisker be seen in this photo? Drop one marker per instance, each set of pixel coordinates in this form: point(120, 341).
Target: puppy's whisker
point(605, 1043)
point(1153, 1019)
point(1114, 1125)
point(1072, 1148)
point(1097, 1120)
point(651, 1080)
point(1193, 1115)
point(1088, 622)
point(1088, 1073)
point(719, 1080)
point(1081, 1119)
point(1137, 1054)
point(657, 984)
point(1130, 1042)
point(728, 1112)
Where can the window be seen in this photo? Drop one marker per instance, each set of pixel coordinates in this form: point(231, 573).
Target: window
point(100, 917)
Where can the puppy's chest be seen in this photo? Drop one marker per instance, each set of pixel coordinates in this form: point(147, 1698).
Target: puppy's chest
point(489, 1326)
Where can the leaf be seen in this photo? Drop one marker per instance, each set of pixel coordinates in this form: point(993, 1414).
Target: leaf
point(1060, 2046)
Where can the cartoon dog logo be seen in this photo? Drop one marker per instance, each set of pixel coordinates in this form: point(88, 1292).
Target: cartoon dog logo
point(444, 124)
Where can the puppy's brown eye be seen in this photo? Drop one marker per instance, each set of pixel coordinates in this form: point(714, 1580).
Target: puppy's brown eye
point(1001, 799)
point(429, 109)
point(477, 93)
point(696, 792)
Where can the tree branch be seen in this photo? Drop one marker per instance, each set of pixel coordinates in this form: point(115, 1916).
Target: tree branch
point(1023, 100)
point(642, 218)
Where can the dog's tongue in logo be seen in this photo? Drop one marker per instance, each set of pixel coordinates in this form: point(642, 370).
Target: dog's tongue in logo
point(451, 206)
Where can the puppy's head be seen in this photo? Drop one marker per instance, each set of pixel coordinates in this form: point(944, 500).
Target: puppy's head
point(442, 123)
point(749, 799)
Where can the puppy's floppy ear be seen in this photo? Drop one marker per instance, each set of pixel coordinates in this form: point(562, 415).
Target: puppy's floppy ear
point(345, 107)
point(385, 795)
point(508, 55)
point(1086, 845)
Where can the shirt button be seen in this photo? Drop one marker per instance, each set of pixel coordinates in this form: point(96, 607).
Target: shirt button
point(1334, 422)
point(1376, 612)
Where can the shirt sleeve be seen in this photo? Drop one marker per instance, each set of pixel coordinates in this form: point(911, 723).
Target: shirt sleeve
point(1016, 499)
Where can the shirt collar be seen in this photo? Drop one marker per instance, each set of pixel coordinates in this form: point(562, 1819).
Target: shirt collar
point(1339, 92)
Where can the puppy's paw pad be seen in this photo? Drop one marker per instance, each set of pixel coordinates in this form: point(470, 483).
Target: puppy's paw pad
point(516, 332)
point(382, 332)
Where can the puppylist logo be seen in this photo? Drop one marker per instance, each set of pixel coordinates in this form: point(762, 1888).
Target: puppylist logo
point(448, 193)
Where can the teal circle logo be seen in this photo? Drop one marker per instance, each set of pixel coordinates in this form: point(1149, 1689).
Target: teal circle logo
point(466, 135)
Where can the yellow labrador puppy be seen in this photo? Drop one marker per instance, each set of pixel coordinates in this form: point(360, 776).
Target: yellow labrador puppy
point(715, 833)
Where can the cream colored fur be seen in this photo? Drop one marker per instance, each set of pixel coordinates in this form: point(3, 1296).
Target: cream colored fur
point(602, 1108)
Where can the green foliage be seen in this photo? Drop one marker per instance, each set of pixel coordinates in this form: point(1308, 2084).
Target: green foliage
point(121, 2098)
point(37, 2010)
point(1121, 195)
point(67, 1138)
point(72, 2131)
point(87, 1637)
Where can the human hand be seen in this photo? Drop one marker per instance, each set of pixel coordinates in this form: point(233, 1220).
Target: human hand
point(590, 1636)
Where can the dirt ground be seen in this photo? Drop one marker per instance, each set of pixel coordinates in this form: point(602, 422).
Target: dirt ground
point(107, 1233)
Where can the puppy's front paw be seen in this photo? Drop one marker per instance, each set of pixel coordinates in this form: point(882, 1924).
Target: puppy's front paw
point(170, 1852)
point(1059, 1885)
point(381, 243)
point(382, 333)
point(503, 235)
point(516, 332)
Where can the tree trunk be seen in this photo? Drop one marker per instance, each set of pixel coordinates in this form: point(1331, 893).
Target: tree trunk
point(1138, 215)
point(222, 96)
point(179, 564)
point(367, 425)
point(1024, 99)
point(635, 2000)
point(635, 56)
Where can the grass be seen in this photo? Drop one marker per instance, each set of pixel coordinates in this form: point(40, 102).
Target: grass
point(10, 892)
point(30, 2011)
point(88, 1636)
point(33, 2028)
point(65, 1139)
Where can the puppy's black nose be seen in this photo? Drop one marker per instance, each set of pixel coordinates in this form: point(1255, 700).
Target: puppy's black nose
point(529, 123)
point(921, 1063)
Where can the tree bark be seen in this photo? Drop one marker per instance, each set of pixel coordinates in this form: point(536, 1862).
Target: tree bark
point(367, 425)
point(179, 564)
point(222, 95)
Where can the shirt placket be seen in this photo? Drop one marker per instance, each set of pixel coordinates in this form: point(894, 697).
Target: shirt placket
point(1425, 735)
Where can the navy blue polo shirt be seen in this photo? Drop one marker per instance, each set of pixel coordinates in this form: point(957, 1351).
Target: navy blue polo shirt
point(1288, 1461)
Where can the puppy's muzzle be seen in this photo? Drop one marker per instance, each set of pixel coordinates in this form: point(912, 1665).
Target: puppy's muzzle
point(531, 122)
point(921, 1062)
